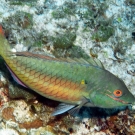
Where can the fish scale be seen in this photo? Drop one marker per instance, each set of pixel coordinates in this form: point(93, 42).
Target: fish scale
point(44, 86)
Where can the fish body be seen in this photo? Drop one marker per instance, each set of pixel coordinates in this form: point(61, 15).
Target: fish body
point(75, 82)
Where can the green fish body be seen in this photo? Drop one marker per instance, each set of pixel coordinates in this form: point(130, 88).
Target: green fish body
point(75, 82)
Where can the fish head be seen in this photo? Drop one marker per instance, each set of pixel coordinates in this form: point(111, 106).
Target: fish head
point(111, 94)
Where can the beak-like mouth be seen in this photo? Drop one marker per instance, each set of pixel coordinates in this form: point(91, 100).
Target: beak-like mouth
point(117, 99)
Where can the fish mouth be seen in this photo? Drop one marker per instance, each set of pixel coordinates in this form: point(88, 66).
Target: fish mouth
point(119, 100)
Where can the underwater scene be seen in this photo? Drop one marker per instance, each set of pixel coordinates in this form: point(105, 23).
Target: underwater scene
point(67, 67)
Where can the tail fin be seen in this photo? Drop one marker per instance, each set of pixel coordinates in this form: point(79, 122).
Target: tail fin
point(4, 45)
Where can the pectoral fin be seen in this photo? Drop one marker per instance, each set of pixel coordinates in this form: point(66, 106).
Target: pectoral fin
point(84, 102)
point(72, 109)
point(61, 108)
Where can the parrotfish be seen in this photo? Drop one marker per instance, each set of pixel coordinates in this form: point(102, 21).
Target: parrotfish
point(74, 82)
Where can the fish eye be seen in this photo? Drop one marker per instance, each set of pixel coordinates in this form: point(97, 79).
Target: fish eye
point(117, 93)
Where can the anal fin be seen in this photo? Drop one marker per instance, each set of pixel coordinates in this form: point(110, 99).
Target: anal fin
point(15, 77)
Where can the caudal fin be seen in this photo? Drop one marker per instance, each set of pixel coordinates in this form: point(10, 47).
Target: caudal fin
point(4, 45)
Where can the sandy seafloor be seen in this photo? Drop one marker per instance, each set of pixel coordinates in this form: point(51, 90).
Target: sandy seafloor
point(101, 28)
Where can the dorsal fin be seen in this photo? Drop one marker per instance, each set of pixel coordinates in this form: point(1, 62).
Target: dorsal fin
point(91, 61)
point(29, 54)
point(95, 62)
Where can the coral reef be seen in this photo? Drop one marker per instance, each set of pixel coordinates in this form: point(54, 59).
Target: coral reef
point(3, 90)
point(7, 114)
